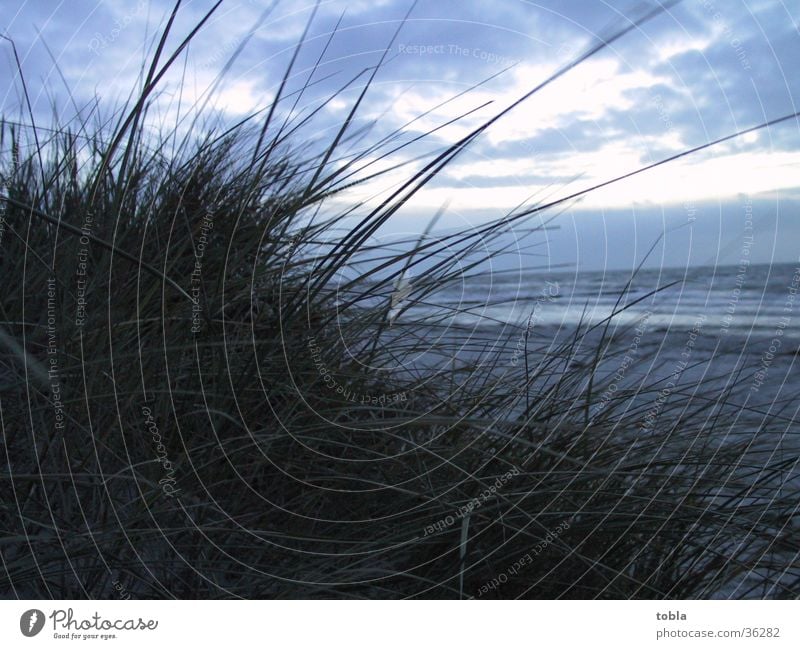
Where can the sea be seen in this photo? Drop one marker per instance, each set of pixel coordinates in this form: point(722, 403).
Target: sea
point(734, 327)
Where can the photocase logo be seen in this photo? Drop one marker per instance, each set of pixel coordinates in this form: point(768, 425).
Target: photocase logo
point(31, 622)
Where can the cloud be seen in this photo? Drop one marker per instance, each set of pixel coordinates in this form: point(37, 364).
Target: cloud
point(587, 93)
point(699, 72)
point(514, 181)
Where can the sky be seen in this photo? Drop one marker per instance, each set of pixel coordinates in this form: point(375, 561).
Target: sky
point(701, 70)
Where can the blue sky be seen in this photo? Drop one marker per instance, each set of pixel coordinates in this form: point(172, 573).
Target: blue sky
point(699, 71)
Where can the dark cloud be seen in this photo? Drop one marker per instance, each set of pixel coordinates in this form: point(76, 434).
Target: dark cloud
point(707, 67)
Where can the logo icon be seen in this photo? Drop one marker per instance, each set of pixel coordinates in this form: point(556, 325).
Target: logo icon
point(31, 622)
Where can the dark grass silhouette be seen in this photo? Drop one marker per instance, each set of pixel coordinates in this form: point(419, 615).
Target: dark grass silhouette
point(183, 414)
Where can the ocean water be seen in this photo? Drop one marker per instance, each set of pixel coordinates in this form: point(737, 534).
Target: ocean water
point(735, 301)
point(729, 326)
